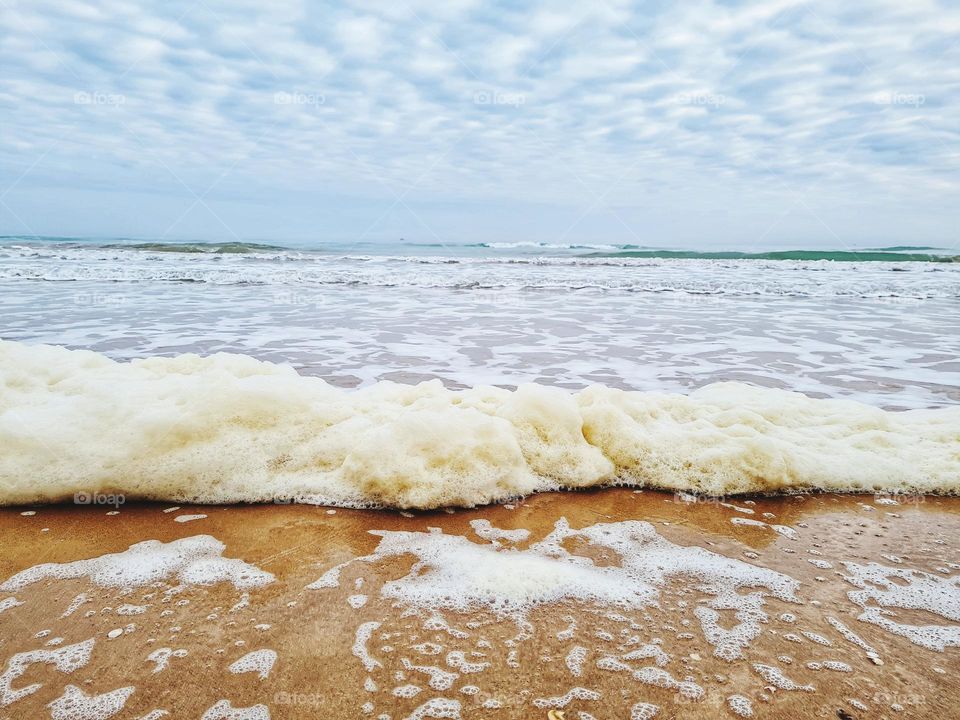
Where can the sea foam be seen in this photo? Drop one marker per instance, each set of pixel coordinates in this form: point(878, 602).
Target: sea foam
point(229, 428)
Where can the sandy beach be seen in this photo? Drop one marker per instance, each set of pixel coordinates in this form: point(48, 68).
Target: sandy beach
point(304, 640)
point(479, 361)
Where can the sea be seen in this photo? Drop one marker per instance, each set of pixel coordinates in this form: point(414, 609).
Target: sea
point(878, 325)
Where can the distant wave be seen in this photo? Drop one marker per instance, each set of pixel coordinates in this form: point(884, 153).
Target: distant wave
point(902, 248)
point(231, 248)
point(524, 251)
point(891, 254)
point(621, 273)
point(552, 246)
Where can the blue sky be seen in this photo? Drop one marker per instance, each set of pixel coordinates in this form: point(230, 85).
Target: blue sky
point(695, 124)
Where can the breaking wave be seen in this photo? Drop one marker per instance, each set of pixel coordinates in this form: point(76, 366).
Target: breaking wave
point(229, 428)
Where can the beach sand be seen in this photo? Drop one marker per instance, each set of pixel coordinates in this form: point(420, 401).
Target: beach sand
point(346, 650)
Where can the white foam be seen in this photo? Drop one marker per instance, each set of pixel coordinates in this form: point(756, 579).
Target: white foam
point(193, 560)
point(453, 573)
point(161, 657)
point(223, 710)
point(66, 659)
point(7, 603)
point(439, 708)
point(908, 590)
point(776, 678)
point(230, 428)
point(837, 666)
point(561, 701)
point(817, 638)
point(740, 706)
point(428, 648)
point(649, 651)
point(457, 659)
point(440, 679)
point(75, 704)
point(330, 579)
point(484, 529)
point(574, 660)
point(852, 637)
point(644, 711)
point(188, 518)
point(258, 661)
point(359, 649)
point(659, 677)
point(128, 609)
point(75, 604)
point(568, 632)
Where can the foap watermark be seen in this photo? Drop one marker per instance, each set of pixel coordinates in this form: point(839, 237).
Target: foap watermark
point(298, 698)
point(701, 99)
point(99, 498)
point(310, 99)
point(691, 499)
point(499, 97)
point(499, 297)
point(899, 497)
point(293, 298)
point(99, 98)
point(98, 300)
point(893, 97)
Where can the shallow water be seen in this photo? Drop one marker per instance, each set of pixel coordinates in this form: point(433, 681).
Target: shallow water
point(386, 636)
point(885, 333)
point(893, 352)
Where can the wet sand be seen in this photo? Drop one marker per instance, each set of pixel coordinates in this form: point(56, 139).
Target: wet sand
point(348, 651)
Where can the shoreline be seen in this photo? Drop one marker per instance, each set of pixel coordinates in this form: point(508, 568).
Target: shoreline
point(321, 665)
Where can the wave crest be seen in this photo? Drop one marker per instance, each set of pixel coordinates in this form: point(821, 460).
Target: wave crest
point(229, 428)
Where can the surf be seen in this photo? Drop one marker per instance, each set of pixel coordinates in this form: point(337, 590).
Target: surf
point(229, 428)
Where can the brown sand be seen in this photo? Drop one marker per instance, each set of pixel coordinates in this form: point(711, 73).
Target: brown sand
point(317, 675)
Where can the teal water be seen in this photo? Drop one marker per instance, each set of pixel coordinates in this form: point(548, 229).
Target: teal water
point(401, 247)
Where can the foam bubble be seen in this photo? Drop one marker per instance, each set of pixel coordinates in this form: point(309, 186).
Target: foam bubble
point(439, 708)
point(644, 711)
point(440, 679)
point(852, 637)
point(740, 706)
point(457, 659)
point(193, 560)
point(574, 660)
point(649, 651)
point(776, 678)
point(223, 710)
point(230, 428)
point(577, 693)
point(258, 661)
point(453, 573)
point(7, 603)
point(66, 659)
point(161, 657)
point(908, 590)
point(484, 529)
point(75, 704)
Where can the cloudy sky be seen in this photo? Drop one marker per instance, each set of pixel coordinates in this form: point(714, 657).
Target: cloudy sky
point(695, 124)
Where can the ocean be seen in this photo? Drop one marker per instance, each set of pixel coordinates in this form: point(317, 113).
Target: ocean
point(356, 448)
point(424, 376)
point(877, 325)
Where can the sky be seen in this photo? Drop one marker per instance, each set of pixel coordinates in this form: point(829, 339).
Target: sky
point(747, 125)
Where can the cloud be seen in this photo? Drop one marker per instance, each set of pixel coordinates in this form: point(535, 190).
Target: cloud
point(648, 119)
